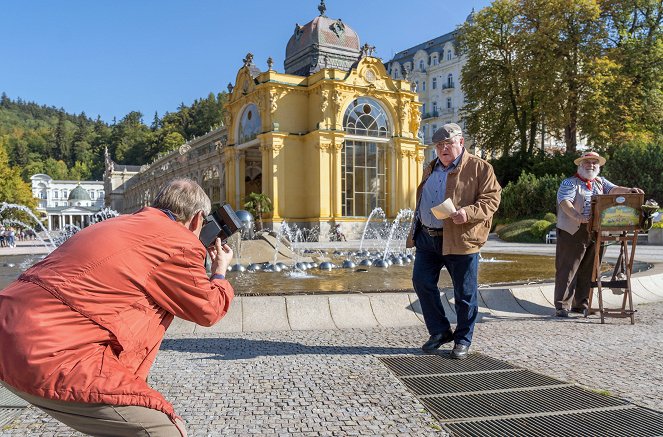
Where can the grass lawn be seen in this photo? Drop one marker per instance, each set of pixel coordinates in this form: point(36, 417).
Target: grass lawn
point(518, 232)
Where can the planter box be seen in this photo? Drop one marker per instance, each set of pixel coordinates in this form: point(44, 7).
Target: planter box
point(655, 236)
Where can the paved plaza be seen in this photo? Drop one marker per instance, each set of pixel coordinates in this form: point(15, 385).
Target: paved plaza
point(311, 383)
point(332, 383)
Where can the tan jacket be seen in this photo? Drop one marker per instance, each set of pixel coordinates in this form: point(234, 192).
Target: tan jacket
point(471, 186)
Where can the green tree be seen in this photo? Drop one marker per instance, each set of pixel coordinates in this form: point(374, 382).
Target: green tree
point(566, 39)
point(258, 204)
point(62, 150)
point(79, 172)
point(57, 169)
point(634, 97)
point(12, 187)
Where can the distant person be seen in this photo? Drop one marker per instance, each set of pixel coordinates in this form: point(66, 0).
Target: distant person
point(79, 330)
point(575, 249)
point(11, 237)
point(453, 242)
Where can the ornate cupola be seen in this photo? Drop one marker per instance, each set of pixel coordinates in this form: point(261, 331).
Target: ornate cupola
point(321, 43)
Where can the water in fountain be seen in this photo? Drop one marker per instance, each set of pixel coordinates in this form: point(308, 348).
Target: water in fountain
point(8, 206)
point(104, 214)
point(66, 233)
point(398, 230)
point(377, 212)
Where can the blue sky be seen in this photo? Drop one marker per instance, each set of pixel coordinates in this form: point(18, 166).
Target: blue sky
point(110, 57)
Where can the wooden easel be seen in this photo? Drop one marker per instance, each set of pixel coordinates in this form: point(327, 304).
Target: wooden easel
point(615, 218)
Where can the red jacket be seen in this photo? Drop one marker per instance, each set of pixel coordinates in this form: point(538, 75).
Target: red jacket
point(86, 323)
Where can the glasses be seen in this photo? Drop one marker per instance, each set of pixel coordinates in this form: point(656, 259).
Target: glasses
point(445, 143)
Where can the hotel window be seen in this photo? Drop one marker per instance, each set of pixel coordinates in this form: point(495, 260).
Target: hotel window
point(364, 160)
point(448, 55)
point(450, 81)
point(434, 84)
point(448, 102)
point(421, 65)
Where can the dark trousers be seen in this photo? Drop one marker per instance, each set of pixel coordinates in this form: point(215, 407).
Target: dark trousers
point(574, 260)
point(463, 270)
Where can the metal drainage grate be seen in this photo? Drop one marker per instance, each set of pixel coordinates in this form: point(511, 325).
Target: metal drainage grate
point(434, 364)
point(8, 414)
point(633, 422)
point(459, 383)
point(9, 399)
point(507, 403)
point(481, 396)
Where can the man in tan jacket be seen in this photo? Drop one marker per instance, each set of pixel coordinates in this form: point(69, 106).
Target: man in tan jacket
point(453, 242)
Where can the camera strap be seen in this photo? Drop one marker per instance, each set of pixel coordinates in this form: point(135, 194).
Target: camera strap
point(169, 214)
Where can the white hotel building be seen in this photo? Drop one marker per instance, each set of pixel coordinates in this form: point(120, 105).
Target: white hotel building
point(67, 202)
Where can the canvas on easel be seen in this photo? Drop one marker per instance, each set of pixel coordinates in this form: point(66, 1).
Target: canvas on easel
point(615, 218)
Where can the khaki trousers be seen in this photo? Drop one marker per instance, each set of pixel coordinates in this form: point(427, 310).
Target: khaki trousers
point(106, 420)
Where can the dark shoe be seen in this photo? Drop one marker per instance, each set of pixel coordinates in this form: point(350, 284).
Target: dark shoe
point(437, 340)
point(561, 313)
point(577, 310)
point(460, 351)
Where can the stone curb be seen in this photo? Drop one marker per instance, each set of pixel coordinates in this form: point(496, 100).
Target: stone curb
point(389, 310)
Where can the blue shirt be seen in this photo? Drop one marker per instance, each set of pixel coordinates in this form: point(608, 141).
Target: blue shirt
point(433, 192)
point(569, 186)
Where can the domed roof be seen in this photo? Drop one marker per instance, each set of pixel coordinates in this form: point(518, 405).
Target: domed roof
point(470, 17)
point(79, 193)
point(321, 43)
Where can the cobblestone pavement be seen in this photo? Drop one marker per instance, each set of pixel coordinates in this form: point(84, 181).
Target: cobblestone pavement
point(331, 382)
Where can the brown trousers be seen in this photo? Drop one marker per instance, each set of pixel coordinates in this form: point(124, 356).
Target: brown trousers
point(106, 420)
point(574, 260)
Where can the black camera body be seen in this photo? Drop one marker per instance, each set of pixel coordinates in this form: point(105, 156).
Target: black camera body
point(221, 223)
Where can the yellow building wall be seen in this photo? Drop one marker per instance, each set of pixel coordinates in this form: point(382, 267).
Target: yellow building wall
point(302, 138)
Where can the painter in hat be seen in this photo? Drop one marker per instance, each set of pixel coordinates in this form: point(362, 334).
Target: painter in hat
point(575, 247)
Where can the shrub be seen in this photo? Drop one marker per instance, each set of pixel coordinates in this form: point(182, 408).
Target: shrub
point(539, 229)
point(552, 218)
point(637, 166)
point(530, 196)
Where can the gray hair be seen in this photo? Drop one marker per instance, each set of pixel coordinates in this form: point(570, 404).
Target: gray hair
point(184, 198)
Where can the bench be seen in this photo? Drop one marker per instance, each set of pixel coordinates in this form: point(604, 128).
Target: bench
point(551, 237)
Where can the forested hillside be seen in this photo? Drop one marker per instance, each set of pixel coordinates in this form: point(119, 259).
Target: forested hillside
point(43, 139)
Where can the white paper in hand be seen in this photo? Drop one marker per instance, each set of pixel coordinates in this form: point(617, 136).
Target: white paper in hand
point(443, 210)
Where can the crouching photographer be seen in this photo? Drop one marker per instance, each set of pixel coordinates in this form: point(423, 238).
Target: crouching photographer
point(80, 330)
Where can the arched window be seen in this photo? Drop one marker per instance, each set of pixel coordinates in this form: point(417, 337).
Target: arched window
point(448, 55)
point(363, 160)
point(421, 65)
point(249, 124)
